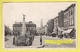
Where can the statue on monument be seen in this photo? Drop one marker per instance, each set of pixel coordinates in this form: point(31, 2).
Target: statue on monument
point(23, 16)
point(23, 26)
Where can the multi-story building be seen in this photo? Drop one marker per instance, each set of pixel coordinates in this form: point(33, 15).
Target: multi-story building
point(69, 15)
point(61, 19)
point(17, 27)
point(69, 20)
point(64, 22)
point(56, 23)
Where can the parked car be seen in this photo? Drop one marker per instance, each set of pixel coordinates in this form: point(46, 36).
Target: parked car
point(53, 34)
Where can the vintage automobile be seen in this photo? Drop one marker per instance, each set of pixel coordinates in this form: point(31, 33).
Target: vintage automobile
point(53, 34)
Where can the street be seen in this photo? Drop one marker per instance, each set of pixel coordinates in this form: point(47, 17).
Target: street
point(70, 45)
point(36, 43)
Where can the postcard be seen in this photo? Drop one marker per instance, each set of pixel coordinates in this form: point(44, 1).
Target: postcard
point(39, 25)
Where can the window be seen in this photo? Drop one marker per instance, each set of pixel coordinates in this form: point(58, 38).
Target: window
point(71, 12)
point(26, 29)
point(69, 21)
point(66, 15)
point(72, 21)
point(67, 24)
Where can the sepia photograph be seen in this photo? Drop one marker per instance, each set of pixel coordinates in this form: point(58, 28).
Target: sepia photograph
point(39, 25)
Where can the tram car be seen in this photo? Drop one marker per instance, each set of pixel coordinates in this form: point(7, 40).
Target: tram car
point(25, 39)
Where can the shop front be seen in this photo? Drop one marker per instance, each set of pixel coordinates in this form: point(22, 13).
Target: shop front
point(69, 33)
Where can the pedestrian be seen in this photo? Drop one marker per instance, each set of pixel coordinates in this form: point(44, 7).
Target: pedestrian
point(40, 39)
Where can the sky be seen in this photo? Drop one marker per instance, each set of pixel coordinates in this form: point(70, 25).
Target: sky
point(34, 11)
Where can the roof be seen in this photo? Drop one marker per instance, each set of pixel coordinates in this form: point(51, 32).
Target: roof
point(19, 24)
point(69, 7)
point(56, 17)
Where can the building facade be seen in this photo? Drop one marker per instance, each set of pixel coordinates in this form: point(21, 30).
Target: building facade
point(61, 19)
point(64, 23)
point(69, 15)
point(69, 20)
point(17, 27)
point(56, 23)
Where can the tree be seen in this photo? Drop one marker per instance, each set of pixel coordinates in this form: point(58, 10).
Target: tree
point(50, 26)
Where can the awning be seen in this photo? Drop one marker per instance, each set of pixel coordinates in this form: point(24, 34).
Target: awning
point(53, 32)
point(67, 31)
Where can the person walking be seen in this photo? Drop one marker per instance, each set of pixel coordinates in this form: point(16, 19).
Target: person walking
point(41, 39)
